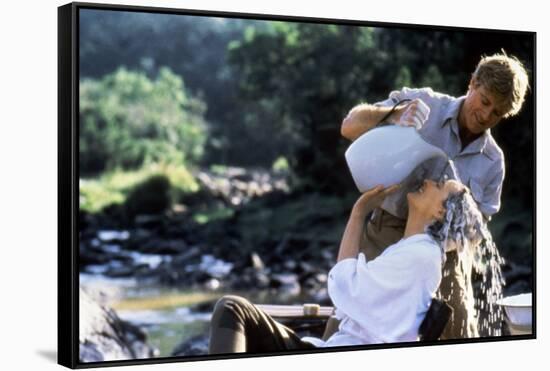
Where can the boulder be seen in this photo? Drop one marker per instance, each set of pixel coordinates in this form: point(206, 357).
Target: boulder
point(105, 337)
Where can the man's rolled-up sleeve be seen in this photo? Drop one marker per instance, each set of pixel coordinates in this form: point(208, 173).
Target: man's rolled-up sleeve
point(394, 97)
point(405, 93)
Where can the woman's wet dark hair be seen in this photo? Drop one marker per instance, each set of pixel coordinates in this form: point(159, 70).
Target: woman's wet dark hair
point(462, 224)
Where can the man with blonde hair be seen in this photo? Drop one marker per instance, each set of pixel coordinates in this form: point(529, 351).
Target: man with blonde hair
point(461, 127)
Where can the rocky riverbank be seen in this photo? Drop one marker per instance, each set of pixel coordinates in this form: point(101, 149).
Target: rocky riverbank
point(266, 238)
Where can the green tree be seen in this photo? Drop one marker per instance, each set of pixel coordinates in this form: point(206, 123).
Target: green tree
point(403, 77)
point(128, 120)
point(299, 80)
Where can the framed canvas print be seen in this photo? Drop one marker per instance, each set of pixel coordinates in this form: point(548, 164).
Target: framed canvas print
point(249, 185)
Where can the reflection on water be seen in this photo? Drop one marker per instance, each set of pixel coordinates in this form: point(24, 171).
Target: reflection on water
point(148, 317)
point(214, 267)
point(166, 336)
point(167, 328)
point(110, 235)
point(170, 316)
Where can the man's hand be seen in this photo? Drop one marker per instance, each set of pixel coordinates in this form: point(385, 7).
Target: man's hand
point(413, 113)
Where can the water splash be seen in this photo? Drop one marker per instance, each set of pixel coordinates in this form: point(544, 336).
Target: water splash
point(465, 231)
point(488, 262)
point(454, 171)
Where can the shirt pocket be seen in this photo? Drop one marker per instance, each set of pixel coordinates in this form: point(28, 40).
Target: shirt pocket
point(477, 190)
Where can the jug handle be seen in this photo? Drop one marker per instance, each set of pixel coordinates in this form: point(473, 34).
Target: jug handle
point(387, 115)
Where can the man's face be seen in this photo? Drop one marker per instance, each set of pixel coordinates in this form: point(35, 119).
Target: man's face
point(481, 109)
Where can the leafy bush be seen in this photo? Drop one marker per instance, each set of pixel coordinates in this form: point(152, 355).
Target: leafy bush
point(128, 120)
point(116, 186)
point(150, 197)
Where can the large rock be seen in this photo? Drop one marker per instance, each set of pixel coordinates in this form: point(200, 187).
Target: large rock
point(105, 337)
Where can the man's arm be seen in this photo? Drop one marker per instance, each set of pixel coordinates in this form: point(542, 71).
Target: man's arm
point(364, 117)
point(361, 119)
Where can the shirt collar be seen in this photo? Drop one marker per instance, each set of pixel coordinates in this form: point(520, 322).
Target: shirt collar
point(452, 109)
point(451, 117)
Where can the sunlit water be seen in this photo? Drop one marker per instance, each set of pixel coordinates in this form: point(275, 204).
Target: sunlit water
point(164, 313)
point(488, 262)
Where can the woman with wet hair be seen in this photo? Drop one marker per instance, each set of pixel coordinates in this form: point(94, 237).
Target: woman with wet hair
point(462, 226)
point(383, 300)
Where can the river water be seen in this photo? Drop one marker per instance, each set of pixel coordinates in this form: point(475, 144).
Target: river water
point(168, 315)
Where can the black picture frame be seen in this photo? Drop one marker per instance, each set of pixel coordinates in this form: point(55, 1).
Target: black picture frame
point(68, 176)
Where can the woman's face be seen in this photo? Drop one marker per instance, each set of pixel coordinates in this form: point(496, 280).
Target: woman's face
point(429, 198)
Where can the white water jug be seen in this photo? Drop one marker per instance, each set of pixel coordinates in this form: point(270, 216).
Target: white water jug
point(387, 155)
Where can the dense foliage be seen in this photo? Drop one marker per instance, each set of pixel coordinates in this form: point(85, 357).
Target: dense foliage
point(281, 89)
point(128, 120)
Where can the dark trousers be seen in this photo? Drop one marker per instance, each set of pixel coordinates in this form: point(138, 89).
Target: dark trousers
point(239, 326)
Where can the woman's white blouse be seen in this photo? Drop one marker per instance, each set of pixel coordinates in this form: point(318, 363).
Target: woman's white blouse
point(384, 300)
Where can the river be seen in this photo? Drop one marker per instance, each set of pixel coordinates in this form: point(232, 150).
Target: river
point(169, 315)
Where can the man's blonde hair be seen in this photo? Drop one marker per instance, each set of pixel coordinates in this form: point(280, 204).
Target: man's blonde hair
point(506, 78)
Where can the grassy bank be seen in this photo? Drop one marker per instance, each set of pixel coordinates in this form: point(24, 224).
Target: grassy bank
point(114, 187)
